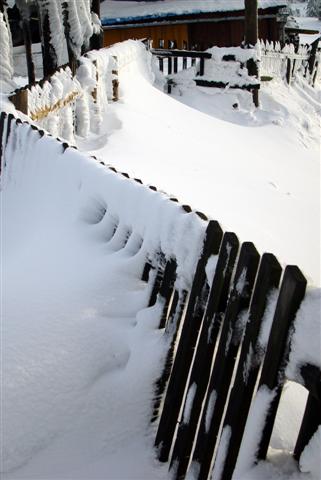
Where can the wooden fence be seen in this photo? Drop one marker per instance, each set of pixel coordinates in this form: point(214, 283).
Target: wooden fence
point(218, 366)
point(272, 62)
point(289, 62)
point(172, 61)
point(52, 102)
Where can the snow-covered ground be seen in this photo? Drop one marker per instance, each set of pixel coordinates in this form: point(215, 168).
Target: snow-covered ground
point(80, 353)
point(255, 171)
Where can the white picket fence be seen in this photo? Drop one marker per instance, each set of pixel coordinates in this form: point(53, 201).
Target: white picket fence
point(286, 63)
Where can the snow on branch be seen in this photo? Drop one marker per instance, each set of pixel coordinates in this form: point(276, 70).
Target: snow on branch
point(6, 62)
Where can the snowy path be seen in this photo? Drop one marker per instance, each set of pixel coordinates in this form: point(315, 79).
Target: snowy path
point(258, 173)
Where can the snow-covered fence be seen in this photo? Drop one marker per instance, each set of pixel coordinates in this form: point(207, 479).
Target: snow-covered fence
point(217, 67)
point(238, 315)
point(65, 104)
point(288, 62)
point(227, 323)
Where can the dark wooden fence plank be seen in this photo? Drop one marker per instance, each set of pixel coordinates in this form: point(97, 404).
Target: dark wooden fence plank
point(202, 67)
point(310, 423)
point(172, 330)
point(230, 339)
point(2, 124)
point(157, 279)
point(203, 359)
point(161, 64)
point(175, 65)
point(166, 289)
point(250, 360)
point(185, 351)
point(184, 63)
point(272, 377)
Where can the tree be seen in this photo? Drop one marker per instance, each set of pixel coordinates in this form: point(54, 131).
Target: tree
point(66, 20)
point(23, 7)
point(314, 8)
point(51, 34)
point(6, 61)
point(251, 38)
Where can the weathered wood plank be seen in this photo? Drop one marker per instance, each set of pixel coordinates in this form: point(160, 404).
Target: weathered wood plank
point(185, 351)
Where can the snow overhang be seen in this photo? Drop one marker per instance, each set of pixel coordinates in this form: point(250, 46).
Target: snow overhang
point(115, 12)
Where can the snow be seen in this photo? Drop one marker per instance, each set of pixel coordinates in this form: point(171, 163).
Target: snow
point(189, 403)
point(222, 452)
point(267, 321)
point(210, 410)
point(72, 360)
point(81, 350)
point(114, 11)
point(309, 23)
point(210, 268)
point(6, 61)
point(241, 188)
point(253, 429)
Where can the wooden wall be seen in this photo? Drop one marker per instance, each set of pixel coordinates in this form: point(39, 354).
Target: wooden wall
point(200, 35)
point(228, 33)
point(156, 33)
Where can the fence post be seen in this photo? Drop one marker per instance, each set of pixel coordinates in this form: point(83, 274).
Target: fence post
point(166, 289)
point(185, 351)
point(312, 58)
point(202, 66)
point(272, 377)
point(288, 70)
point(173, 325)
point(2, 121)
point(20, 100)
point(115, 81)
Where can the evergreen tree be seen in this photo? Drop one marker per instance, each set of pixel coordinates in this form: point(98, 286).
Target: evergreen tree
point(314, 8)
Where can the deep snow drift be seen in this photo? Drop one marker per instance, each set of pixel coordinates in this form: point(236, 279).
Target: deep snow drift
point(80, 351)
point(255, 171)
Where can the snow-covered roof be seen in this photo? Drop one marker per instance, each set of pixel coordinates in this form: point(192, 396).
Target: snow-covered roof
point(116, 11)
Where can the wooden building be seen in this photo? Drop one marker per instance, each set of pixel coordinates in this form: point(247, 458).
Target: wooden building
point(195, 25)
